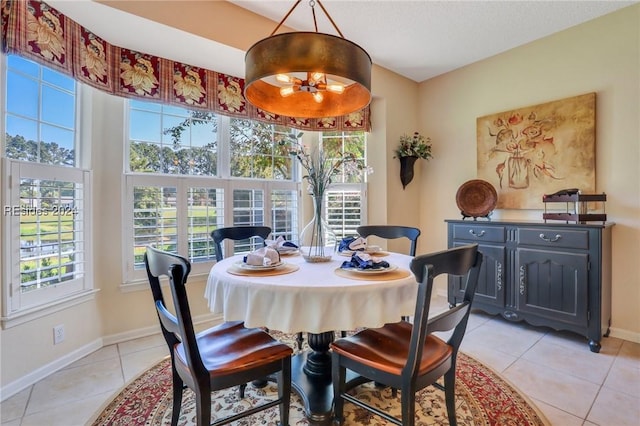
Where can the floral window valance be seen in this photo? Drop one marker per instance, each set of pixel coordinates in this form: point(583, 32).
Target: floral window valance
point(37, 31)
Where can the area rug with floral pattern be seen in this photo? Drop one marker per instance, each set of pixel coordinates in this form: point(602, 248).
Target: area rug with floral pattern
point(482, 398)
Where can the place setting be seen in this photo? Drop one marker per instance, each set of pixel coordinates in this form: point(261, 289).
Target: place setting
point(283, 247)
point(364, 266)
point(350, 245)
point(264, 261)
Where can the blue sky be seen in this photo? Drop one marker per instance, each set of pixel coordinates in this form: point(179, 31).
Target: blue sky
point(58, 102)
point(28, 81)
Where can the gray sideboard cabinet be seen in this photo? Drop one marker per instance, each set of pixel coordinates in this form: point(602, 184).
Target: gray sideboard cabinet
point(547, 274)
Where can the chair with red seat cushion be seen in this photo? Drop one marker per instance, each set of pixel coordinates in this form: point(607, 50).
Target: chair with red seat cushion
point(408, 356)
point(220, 357)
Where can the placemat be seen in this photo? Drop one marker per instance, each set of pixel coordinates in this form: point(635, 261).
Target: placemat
point(287, 268)
point(396, 274)
point(290, 253)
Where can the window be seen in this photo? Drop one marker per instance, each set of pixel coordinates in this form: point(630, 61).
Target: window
point(284, 213)
point(345, 211)
point(176, 215)
point(40, 113)
point(192, 172)
point(47, 205)
point(346, 199)
point(256, 151)
point(171, 140)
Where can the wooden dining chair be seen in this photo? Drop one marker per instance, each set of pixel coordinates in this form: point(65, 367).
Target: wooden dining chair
point(237, 233)
point(390, 232)
point(243, 233)
point(405, 356)
point(220, 357)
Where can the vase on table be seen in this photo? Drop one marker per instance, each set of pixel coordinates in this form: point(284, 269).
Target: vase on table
point(406, 169)
point(317, 240)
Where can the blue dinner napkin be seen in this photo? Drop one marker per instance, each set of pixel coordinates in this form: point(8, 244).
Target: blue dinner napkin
point(352, 243)
point(364, 261)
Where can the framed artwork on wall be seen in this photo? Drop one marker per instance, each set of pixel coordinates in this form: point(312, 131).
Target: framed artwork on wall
point(528, 152)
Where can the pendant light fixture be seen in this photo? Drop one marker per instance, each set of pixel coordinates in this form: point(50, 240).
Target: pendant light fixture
point(308, 74)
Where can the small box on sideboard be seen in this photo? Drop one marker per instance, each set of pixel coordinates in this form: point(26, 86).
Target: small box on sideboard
point(579, 210)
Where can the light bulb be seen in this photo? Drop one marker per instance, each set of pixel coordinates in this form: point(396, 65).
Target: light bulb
point(287, 91)
point(317, 96)
point(335, 88)
point(316, 77)
point(283, 78)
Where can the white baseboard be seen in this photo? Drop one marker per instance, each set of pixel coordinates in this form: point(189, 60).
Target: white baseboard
point(113, 339)
point(624, 334)
point(40, 373)
point(35, 376)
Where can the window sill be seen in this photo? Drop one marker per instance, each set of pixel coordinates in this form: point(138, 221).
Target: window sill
point(31, 314)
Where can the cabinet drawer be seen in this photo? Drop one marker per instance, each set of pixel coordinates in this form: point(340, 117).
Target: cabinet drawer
point(554, 237)
point(494, 234)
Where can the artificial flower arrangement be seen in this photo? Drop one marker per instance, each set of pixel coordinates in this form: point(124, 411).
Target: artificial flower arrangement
point(408, 151)
point(320, 169)
point(414, 146)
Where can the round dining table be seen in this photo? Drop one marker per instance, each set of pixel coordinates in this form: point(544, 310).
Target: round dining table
point(316, 298)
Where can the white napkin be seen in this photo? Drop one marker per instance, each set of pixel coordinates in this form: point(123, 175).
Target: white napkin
point(366, 257)
point(264, 256)
point(277, 243)
point(358, 244)
point(281, 244)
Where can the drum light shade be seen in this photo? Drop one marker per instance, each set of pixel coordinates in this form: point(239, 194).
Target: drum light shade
point(307, 74)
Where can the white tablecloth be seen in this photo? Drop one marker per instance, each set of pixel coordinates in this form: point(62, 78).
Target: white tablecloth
point(312, 299)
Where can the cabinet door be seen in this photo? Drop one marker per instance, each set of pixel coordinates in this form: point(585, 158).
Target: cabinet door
point(553, 284)
point(490, 290)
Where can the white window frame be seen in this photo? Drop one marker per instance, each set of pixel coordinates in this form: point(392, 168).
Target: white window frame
point(182, 184)
point(134, 277)
point(228, 184)
point(353, 187)
point(17, 308)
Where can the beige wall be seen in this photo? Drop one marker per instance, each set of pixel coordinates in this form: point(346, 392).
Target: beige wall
point(600, 56)
point(393, 113)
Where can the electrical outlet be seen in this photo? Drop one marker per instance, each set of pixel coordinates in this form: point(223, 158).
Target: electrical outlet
point(58, 334)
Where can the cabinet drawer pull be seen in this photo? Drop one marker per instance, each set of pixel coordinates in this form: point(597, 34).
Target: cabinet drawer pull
point(478, 235)
point(523, 280)
point(550, 240)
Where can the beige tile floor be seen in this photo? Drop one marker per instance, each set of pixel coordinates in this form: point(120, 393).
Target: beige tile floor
point(556, 370)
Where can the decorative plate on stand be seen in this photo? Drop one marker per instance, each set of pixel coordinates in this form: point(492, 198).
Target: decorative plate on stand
point(476, 198)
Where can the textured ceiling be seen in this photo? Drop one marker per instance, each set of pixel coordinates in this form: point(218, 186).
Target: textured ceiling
point(416, 39)
point(422, 39)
